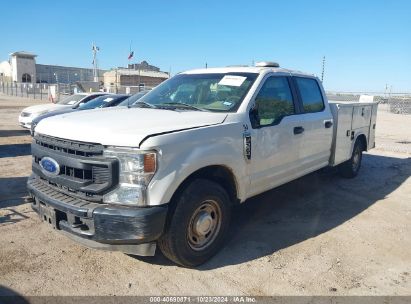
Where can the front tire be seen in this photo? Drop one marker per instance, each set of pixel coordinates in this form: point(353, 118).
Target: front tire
point(351, 167)
point(198, 227)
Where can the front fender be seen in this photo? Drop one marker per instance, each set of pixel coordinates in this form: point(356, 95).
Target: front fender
point(180, 154)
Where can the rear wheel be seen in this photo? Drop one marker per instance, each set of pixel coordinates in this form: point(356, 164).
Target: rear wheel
point(198, 227)
point(351, 167)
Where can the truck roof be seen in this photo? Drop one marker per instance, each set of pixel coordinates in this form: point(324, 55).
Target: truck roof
point(246, 69)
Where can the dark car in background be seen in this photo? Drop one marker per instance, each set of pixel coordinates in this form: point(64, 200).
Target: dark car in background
point(109, 100)
point(133, 99)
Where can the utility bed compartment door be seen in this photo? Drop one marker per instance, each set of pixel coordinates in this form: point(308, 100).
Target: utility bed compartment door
point(341, 146)
point(361, 116)
point(371, 138)
point(351, 119)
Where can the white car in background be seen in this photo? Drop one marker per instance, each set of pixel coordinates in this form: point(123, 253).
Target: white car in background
point(30, 113)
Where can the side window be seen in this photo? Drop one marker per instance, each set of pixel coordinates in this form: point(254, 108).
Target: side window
point(274, 101)
point(311, 96)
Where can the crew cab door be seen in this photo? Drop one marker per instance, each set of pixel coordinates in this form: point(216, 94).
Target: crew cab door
point(316, 125)
point(275, 141)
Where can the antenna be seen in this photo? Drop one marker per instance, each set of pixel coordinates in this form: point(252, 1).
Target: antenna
point(322, 73)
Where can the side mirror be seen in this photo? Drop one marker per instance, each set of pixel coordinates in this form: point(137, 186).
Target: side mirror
point(254, 119)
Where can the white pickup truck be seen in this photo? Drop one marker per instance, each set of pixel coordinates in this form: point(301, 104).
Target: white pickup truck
point(167, 171)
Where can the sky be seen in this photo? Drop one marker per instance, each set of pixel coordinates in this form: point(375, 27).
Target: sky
point(366, 44)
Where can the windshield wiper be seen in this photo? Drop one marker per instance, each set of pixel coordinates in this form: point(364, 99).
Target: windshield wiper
point(182, 105)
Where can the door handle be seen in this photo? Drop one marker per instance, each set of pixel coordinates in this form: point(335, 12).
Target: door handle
point(298, 130)
point(328, 124)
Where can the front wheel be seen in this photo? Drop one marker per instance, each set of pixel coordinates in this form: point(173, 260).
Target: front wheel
point(350, 168)
point(198, 227)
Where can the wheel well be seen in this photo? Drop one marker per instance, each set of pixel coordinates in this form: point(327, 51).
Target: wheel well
point(363, 140)
point(219, 174)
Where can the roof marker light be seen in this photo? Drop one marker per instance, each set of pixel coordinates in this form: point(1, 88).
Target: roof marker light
point(267, 64)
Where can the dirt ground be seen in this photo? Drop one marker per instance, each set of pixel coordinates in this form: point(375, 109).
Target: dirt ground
point(319, 235)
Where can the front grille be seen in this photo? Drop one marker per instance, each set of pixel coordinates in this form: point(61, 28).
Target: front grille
point(66, 202)
point(71, 192)
point(84, 172)
point(25, 114)
point(97, 174)
point(100, 175)
point(68, 146)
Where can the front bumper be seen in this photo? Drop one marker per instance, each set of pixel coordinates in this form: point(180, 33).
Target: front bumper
point(25, 122)
point(109, 227)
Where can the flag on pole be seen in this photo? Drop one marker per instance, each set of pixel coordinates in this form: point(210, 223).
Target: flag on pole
point(131, 55)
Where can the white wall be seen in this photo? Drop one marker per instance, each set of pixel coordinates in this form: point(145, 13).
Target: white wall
point(22, 65)
point(5, 70)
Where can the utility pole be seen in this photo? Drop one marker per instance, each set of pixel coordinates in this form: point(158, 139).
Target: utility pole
point(116, 82)
point(139, 76)
point(322, 73)
point(95, 49)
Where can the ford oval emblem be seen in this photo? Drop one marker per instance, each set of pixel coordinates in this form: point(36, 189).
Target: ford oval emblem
point(50, 166)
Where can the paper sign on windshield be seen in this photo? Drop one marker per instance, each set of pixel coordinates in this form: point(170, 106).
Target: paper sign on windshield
point(232, 80)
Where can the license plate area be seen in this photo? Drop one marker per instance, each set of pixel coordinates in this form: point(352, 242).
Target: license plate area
point(47, 214)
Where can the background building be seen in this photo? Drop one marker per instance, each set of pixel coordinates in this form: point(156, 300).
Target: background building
point(64, 74)
point(134, 78)
point(143, 66)
point(22, 67)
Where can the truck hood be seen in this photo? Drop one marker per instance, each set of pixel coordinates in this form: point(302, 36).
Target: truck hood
point(53, 112)
point(44, 107)
point(121, 126)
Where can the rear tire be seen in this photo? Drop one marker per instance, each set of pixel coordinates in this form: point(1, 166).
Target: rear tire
point(199, 224)
point(351, 167)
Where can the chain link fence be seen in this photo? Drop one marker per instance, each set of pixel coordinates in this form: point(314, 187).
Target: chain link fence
point(43, 91)
point(53, 92)
point(398, 103)
point(29, 90)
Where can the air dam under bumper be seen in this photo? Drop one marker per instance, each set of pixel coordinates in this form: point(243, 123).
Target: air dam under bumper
point(130, 230)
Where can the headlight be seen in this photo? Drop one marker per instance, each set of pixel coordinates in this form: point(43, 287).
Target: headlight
point(136, 171)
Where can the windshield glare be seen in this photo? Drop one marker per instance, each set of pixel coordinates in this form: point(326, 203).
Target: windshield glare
point(213, 92)
point(102, 102)
point(71, 100)
point(133, 99)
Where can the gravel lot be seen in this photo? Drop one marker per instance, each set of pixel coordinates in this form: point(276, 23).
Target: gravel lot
point(319, 235)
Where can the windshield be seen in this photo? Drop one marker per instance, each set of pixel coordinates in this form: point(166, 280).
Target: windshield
point(222, 92)
point(72, 99)
point(101, 102)
point(133, 99)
